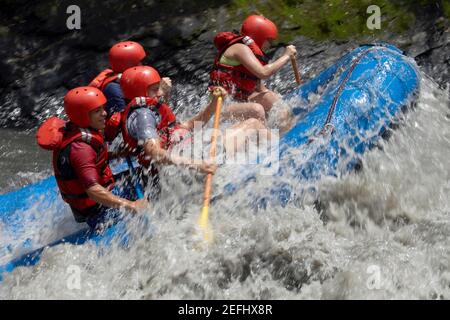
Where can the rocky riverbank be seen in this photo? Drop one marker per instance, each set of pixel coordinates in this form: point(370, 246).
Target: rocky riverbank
point(40, 58)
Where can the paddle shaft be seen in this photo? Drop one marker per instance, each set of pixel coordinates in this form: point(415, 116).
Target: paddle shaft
point(212, 154)
point(295, 68)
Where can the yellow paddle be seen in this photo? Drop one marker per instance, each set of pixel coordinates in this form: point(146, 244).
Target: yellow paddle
point(203, 219)
point(296, 72)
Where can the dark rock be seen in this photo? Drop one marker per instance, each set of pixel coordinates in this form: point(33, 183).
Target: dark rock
point(41, 58)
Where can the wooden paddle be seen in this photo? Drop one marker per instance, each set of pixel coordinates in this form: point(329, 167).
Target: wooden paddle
point(203, 219)
point(295, 68)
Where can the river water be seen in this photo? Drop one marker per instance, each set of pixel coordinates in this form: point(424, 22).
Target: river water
point(381, 233)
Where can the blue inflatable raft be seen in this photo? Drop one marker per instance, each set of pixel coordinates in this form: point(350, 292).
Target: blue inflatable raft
point(364, 93)
point(356, 100)
point(340, 114)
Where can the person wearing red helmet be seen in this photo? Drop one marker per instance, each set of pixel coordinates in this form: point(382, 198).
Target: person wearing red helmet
point(241, 64)
point(149, 126)
point(122, 55)
point(80, 157)
point(148, 122)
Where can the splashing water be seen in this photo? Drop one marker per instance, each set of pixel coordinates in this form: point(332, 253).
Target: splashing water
point(379, 233)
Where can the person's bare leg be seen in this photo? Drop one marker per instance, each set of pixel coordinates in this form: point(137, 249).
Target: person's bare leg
point(244, 111)
point(238, 134)
point(278, 112)
point(281, 117)
point(266, 99)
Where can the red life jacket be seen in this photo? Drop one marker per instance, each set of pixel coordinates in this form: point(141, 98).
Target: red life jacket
point(57, 135)
point(237, 80)
point(103, 79)
point(112, 126)
point(166, 126)
point(100, 82)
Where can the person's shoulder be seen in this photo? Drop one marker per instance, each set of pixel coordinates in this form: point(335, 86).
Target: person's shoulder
point(239, 46)
point(238, 49)
point(81, 148)
point(82, 154)
point(113, 88)
point(142, 117)
point(144, 112)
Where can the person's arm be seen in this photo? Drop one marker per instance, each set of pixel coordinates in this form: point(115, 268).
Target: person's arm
point(166, 88)
point(159, 155)
point(208, 112)
point(245, 55)
point(115, 98)
point(142, 127)
point(104, 197)
point(82, 159)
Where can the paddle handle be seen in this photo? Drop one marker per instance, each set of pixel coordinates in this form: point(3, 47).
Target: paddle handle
point(212, 154)
point(295, 68)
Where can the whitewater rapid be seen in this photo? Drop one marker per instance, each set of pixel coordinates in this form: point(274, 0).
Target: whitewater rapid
point(380, 233)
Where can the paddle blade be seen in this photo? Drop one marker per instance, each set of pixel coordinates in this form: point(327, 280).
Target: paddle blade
point(203, 224)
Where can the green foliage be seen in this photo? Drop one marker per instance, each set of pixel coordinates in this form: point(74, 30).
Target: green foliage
point(335, 19)
point(446, 8)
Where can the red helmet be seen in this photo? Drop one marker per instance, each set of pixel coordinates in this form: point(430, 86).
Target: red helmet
point(124, 55)
point(136, 80)
point(259, 29)
point(79, 101)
